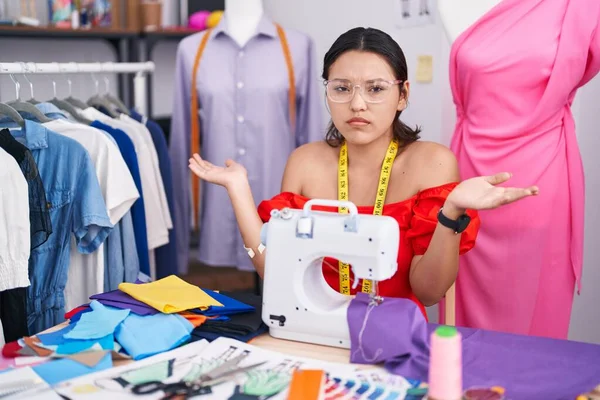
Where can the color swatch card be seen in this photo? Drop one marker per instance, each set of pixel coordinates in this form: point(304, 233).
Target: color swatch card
point(270, 380)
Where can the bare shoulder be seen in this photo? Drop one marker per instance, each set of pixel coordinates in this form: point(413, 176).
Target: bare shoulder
point(312, 156)
point(303, 162)
point(434, 163)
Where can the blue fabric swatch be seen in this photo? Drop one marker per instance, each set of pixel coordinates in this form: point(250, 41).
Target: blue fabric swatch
point(76, 317)
point(73, 346)
point(54, 372)
point(230, 306)
point(144, 336)
point(55, 338)
point(102, 321)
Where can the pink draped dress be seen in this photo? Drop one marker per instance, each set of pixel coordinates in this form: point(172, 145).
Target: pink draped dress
point(514, 74)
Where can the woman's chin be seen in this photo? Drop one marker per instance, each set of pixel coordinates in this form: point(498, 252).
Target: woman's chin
point(360, 138)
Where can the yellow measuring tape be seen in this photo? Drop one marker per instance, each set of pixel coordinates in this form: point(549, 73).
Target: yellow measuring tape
point(384, 179)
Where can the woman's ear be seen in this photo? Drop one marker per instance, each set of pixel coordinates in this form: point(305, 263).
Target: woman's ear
point(404, 93)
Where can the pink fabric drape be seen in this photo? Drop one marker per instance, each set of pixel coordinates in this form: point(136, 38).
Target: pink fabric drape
point(514, 74)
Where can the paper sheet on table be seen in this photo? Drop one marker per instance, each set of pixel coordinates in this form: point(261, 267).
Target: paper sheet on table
point(25, 377)
point(271, 378)
point(94, 386)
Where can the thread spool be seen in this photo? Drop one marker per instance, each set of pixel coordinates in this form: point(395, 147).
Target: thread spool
point(445, 365)
point(214, 18)
point(198, 19)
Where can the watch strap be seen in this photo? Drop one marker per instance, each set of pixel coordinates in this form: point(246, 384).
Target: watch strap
point(458, 226)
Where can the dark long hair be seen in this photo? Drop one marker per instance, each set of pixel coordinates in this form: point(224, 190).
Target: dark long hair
point(378, 42)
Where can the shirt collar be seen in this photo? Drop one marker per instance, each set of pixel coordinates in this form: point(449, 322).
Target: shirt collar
point(35, 135)
point(265, 27)
point(93, 114)
point(50, 110)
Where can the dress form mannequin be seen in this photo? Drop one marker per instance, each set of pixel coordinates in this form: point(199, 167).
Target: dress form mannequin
point(513, 92)
point(243, 17)
point(238, 75)
point(458, 15)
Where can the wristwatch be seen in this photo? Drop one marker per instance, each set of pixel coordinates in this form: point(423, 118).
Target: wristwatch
point(458, 226)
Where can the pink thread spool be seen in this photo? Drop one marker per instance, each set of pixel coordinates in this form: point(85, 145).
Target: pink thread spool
point(198, 20)
point(445, 365)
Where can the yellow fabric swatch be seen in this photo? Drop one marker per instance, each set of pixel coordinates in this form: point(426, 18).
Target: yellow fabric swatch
point(170, 295)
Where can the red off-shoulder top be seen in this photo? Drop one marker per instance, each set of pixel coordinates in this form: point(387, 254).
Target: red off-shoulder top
point(417, 217)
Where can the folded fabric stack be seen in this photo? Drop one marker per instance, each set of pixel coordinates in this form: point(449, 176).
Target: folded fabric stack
point(137, 321)
point(244, 323)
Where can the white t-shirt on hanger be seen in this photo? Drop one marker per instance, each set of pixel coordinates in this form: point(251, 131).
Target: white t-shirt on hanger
point(147, 136)
point(86, 271)
point(158, 234)
point(15, 228)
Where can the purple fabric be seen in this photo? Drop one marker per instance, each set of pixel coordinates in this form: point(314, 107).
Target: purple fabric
point(119, 299)
point(383, 341)
point(528, 367)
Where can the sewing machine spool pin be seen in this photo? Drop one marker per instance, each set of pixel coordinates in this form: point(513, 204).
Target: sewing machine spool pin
point(298, 304)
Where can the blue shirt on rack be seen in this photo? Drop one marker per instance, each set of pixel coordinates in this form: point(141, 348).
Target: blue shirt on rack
point(166, 256)
point(137, 210)
point(76, 208)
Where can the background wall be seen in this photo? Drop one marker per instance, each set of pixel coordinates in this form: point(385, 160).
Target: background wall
point(430, 105)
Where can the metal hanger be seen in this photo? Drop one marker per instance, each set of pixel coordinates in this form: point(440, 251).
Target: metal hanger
point(32, 100)
point(72, 100)
point(115, 100)
point(25, 107)
point(65, 106)
point(98, 100)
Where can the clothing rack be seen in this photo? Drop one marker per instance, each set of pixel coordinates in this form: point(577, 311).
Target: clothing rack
point(140, 69)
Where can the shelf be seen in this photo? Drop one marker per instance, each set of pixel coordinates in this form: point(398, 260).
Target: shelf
point(66, 33)
point(172, 33)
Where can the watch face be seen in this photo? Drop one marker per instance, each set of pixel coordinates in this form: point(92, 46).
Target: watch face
point(463, 223)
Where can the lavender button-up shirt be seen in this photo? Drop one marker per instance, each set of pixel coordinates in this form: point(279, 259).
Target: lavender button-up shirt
point(244, 115)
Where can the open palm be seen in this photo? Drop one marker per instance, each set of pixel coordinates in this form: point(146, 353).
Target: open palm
point(481, 193)
point(223, 176)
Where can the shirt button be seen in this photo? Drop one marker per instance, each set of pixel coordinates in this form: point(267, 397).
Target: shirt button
point(240, 85)
point(241, 54)
point(242, 152)
point(240, 119)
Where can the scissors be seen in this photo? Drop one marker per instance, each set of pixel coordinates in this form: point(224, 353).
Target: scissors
point(198, 386)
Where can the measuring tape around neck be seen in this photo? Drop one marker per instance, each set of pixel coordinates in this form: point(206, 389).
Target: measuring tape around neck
point(384, 179)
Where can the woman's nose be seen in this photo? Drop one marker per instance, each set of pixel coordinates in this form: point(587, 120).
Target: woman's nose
point(358, 103)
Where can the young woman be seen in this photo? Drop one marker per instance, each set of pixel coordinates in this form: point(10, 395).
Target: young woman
point(370, 157)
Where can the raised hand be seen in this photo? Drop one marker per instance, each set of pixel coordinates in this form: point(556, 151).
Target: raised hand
point(223, 176)
point(481, 193)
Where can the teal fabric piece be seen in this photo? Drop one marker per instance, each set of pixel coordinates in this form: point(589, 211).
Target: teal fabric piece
point(99, 323)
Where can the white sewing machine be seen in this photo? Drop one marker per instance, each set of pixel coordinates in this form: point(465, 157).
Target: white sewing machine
point(297, 302)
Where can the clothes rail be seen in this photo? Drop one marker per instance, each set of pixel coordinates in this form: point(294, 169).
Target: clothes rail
point(140, 70)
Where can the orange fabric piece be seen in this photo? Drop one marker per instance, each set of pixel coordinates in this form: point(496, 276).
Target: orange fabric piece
point(195, 122)
point(307, 384)
point(32, 342)
point(195, 319)
point(417, 218)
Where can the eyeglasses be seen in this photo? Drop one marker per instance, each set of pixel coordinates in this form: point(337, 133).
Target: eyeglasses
point(373, 91)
